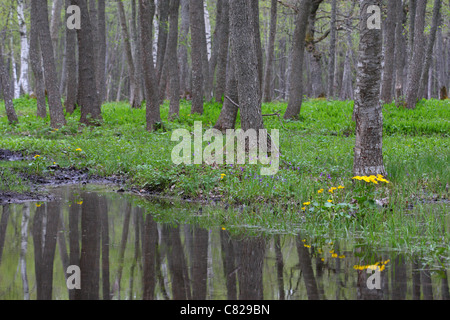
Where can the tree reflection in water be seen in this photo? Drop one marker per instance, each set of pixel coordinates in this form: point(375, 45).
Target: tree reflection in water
point(125, 252)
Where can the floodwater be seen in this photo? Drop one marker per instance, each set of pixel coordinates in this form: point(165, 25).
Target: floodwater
point(123, 251)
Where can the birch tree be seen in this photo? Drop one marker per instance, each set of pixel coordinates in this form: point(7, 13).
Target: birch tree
point(368, 152)
point(24, 48)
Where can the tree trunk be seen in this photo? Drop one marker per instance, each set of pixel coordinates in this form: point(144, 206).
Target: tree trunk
point(87, 94)
point(40, 12)
point(24, 48)
point(228, 114)
point(71, 67)
point(223, 52)
point(36, 65)
point(134, 92)
point(331, 65)
point(5, 83)
point(197, 29)
point(298, 52)
point(416, 66)
point(400, 52)
point(244, 46)
point(101, 55)
point(162, 38)
point(368, 158)
point(389, 54)
point(146, 12)
point(172, 59)
point(267, 92)
point(430, 46)
point(183, 47)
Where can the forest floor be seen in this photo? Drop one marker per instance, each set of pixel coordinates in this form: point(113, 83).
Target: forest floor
point(313, 187)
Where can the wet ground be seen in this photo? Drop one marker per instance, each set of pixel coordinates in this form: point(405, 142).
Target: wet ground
point(124, 251)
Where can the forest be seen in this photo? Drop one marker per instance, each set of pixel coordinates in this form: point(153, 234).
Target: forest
point(354, 93)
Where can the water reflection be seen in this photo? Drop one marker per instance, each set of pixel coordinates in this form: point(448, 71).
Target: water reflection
point(125, 253)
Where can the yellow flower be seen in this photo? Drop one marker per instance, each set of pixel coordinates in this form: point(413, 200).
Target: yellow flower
point(341, 187)
point(303, 208)
point(306, 203)
point(78, 149)
point(320, 191)
point(307, 246)
point(341, 256)
point(330, 201)
point(334, 255)
point(322, 259)
point(222, 175)
point(37, 156)
point(223, 228)
point(331, 191)
point(79, 202)
point(38, 205)
point(358, 178)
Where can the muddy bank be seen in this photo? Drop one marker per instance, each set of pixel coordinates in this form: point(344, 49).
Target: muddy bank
point(54, 176)
point(14, 197)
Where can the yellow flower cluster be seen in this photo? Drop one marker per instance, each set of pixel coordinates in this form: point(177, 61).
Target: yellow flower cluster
point(379, 265)
point(222, 176)
point(371, 179)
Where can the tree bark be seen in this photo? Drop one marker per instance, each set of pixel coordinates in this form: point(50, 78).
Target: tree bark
point(71, 67)
point(416, 66)
point(430, 46)
point(228, 114)
point(298, 53)
point(222, 55)
point(332, 61)
point(368, 152)
point(101, 55)
point(146, 12)
point(389, 54)
point(183, 47)
point(197, 29)
point(36, 65)
point(5, 83)
point(40, 12)
point(87, 87)
point(267, 92)
point(172, 59)
point(134, 92)
point(243, 39)
point(24, 48)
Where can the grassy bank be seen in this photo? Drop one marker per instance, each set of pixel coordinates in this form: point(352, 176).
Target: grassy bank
point(317, 154)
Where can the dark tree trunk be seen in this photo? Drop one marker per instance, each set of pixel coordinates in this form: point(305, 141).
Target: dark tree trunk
point(368, 111)
point(228, 114)
point(389, 54)
point(244, 48)
point(163, 32)
point(222, 58)
point(430, 46)
point(400, 52)
point(8, 94)
point(298, 53)
point(101, 55)
point(332, 63)
point(71, 67)
point(183, 47)
point(88, 99)
point(40, 12)
point(146, 13)
point(36, 65)
point(267, 92)
point(172, 59)
point(416, 66)
point(196, 16)
point(134, 92)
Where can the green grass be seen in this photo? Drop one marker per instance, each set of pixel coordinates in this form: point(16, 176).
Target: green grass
point(317, 153)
